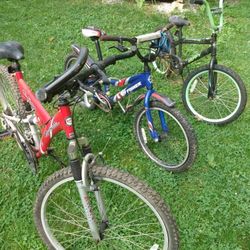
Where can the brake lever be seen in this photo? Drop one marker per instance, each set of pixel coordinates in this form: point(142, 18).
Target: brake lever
point(119, 47)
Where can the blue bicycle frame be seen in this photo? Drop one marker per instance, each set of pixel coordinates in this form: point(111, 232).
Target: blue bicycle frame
point(134, 83)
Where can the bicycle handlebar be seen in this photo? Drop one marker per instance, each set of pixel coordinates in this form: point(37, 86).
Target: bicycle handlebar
point(98, 67)
point(118, 39)
point(210, 15)
point(138, 39)
point(46, 93)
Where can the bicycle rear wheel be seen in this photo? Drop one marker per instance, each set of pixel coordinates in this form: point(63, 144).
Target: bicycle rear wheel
point(12, 105)
point(176, 149)
point(137, 217)
point(70, 60)
point(229, 98)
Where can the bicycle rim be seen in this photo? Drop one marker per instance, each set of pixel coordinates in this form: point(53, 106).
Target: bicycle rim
point(133, 221)
point(172, 150)
point(222, 106)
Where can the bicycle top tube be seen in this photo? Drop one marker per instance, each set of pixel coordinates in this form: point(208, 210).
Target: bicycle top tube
point(132, 83)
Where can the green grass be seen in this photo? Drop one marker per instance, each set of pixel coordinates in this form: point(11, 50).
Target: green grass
point(210, 201)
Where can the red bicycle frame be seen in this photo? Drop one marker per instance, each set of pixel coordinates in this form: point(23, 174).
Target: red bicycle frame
point(49, 126)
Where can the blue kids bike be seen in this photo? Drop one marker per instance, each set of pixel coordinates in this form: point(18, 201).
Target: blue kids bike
point(162, 132)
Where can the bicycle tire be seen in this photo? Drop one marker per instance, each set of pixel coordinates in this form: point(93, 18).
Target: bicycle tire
point(70, 60)
point(115, 183)
point(226, 106)
point(13, 105)
point(10, 95)
point(165, 152)
point(87, 99)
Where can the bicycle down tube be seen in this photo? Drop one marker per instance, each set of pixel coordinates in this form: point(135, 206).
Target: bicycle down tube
point(52, 125)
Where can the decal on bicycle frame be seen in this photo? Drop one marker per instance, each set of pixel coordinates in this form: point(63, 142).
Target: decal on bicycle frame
point(134, 83)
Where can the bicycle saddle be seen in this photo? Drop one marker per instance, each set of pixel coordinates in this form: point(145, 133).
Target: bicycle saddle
point(178, 21)
point(92, 32)
point(11, 50)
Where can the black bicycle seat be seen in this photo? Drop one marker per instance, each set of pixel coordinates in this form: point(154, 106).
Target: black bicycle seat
point(178, 21)
point(11, 50)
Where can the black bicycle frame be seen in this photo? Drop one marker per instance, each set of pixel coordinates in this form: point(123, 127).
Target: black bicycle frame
point(210, 50)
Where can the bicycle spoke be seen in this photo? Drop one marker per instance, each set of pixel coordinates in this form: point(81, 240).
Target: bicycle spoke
point(74, 223)
point(66, 212)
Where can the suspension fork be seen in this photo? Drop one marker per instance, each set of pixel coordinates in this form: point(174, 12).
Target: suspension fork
point(81, 177)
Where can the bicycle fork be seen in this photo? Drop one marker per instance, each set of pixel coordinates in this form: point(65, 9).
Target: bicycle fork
point(212, 76)
point(81, 177)
point(163, 123)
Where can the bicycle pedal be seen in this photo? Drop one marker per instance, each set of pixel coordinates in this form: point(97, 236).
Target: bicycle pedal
point(5, 134)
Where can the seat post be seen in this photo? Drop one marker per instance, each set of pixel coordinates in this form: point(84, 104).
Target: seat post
point(180, 38)
point(15, 66)
point(98, 50)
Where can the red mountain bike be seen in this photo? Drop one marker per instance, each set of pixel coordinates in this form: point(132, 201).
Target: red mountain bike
point(85, 205)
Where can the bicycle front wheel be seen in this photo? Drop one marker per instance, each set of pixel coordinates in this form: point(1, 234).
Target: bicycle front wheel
point(137, 216)
point(226, 104)
point(176, 148)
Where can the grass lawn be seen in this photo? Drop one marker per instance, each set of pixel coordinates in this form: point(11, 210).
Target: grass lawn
point(211, 201)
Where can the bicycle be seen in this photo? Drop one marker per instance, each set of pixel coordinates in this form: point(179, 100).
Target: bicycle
point(162, 132)
point(86, 205)
point(212, 93)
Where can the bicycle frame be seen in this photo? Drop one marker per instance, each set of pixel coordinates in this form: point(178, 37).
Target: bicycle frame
point(50, 126)
point(134, 83)
point(211, 50)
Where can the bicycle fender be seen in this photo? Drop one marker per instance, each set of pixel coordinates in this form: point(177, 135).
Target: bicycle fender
point(163, 99)
point(157, 97)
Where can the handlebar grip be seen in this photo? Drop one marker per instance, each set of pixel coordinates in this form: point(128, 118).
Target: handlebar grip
point(200, 2)
point(46, 93)
point(148, 37)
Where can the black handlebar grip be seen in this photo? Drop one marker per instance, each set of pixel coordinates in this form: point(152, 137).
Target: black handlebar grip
point(54, 87)
point(200, 2)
